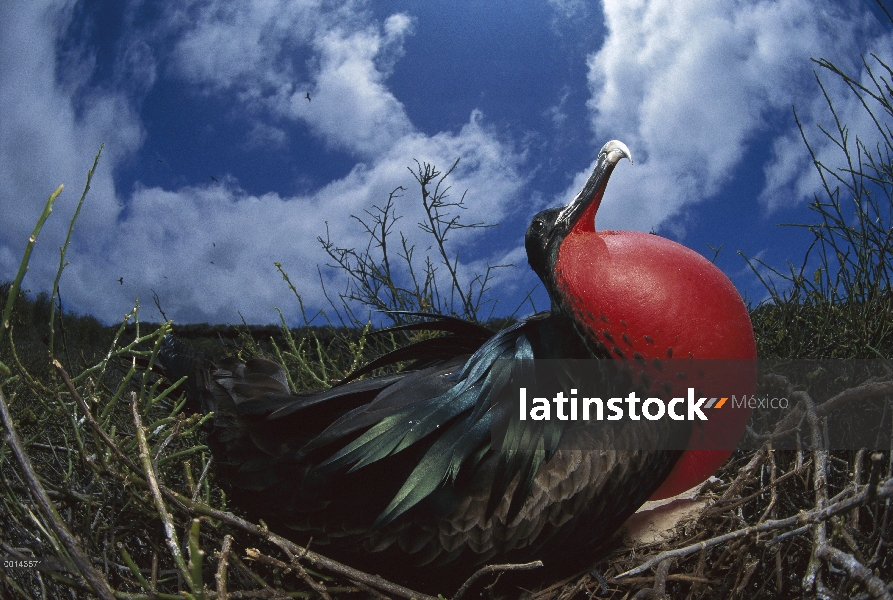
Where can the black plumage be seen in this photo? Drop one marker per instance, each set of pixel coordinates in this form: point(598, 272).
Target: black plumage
point(402, 473)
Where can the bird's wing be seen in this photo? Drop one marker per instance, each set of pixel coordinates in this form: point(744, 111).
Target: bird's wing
point(456, 423)
point(465, 338)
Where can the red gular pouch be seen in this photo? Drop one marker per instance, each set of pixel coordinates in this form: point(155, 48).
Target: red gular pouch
point(659, 305)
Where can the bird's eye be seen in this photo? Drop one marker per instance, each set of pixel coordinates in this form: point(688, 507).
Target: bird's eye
point(537, 226)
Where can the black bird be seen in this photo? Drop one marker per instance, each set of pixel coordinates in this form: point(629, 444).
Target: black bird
point(403, 470)
point(213, 178)
point(121, 280)
point(307, 96)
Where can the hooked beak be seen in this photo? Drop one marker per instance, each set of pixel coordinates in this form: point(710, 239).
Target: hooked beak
point(579, 214)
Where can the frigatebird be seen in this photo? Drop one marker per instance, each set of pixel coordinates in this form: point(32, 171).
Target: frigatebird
point(402, 472)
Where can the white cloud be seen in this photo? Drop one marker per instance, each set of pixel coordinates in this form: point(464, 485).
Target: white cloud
point(239, 44)
point(49, 132)
point(208, 250)
point(689, 85)
point(259, 50)
point(138, 66)
point(353, 109)
point(790, 174)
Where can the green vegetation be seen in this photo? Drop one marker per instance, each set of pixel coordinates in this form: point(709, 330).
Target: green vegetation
point(838, 303)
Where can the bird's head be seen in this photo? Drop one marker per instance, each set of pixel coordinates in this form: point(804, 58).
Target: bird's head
point(551, 227)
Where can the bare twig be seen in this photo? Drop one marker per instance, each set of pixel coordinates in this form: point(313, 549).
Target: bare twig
point(222, 564)
point(100, 586)
point(659, 590)
point(201, 479)
point(815, 516)
point(820, 487)
point(151, 479)
point(876, 586)
point(319, 588)
point(721, 507)
point(494, 569)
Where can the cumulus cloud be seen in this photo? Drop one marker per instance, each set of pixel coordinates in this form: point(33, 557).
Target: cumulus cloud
point(790, 173)
point(52, 125)
point(690, 85)
point(273, 54)
point(239, 45)
point(207, 250)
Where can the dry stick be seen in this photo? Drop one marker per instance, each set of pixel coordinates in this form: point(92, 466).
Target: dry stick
point(876, 586)
point(169, 531)
point(841, 529)
point(154, 580)
point(222, 563)
point(265, 587)
point(319, 586)
point(857, 477)
point(779, 575)
point(743, 473)
point(659, 589)
point(718, 509)
point(745, 579)
point(860, 392)
point(877, 458)
point(820, 487)
point(699, 570)
point(773, 485)
point(254, 554)
point(91, 421)
point(371, 591)
point(494, 569)
point(670, 577)
point(72, 545)
point(788, 534)
point(772, 511)
point(660, 578)
point(804, 518)
point(174, 431)
point(201, 479)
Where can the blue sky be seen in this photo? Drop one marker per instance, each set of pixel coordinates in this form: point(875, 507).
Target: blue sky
point(216, 165)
